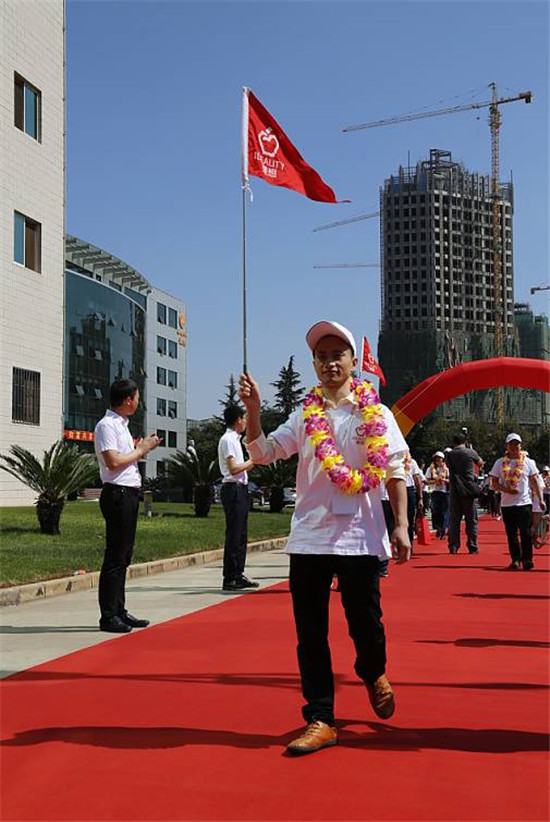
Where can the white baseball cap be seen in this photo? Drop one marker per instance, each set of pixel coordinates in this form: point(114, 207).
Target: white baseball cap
point(439, 454)
point(512, 437)
point(329, 328)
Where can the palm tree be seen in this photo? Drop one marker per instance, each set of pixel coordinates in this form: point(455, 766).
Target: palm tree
point(277, 476)
point(63, 470)
point(187, 467)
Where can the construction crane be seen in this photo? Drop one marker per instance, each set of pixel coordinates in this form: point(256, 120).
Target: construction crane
point(495, 120)
point(358, 218)
point(349, 265)
point(543, 287)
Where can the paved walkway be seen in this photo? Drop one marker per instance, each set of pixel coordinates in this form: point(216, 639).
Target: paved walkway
point(36, 632)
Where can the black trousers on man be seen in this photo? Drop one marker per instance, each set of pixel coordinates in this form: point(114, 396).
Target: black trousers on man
point(119, 505)
point(310, 581)
point(234, 497)
point(517, 518)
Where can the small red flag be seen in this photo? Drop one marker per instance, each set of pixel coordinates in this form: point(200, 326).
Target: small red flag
point(369, 363)
point(269, 154)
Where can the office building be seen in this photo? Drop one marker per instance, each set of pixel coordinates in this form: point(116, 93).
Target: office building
point(32, 201)
point(438, 297)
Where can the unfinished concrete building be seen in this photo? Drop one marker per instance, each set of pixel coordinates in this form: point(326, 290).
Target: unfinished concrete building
point(438, 300)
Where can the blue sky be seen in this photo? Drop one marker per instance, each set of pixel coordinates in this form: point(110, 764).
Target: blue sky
point(153, 152)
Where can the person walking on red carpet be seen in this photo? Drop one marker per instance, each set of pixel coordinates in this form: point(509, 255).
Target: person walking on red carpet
point(463, 491)
point(119, 502)
point(515, 476)
point(346, 441)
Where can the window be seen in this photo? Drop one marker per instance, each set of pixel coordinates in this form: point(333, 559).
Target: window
point(161, 313)
point(26, 241)
point(161, 407)
point(27, 107)
point(172, 318)
point(172, 439)
point(161, 434)
point(25, 405)
point(172, 349)
point(161, 468)
point(161, 376)
point(161, 345)
point(173, 379)
point(172, 409)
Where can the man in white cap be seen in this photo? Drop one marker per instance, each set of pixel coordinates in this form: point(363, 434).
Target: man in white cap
point(346, 442)
point(514, 475)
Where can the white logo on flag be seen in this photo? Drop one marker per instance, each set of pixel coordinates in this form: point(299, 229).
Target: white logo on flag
point(268, 143)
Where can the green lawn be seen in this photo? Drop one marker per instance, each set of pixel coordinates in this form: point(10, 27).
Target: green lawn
point(26, 555)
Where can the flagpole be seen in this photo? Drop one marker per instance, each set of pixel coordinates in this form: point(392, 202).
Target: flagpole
point(245, 340)
point(245, 188)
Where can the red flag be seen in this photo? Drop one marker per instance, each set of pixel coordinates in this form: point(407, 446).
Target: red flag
point(369, 363)
point(269, 154)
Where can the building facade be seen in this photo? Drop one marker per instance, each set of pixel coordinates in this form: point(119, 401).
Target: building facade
point(438, 297)
point(166, 377)
point(534, 342)
point(117, 325)
point(32, 200)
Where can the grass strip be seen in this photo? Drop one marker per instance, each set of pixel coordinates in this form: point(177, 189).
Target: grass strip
point(26, 555)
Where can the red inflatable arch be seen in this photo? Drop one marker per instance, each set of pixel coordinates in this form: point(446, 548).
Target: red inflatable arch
point(471, 376)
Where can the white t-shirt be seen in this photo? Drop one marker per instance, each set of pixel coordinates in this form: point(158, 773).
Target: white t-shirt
point(230, 446)
point(325, 520)
point(440, 484)
point(112, 434)
point(415, 471)
point(523, 496)
point(536, 504)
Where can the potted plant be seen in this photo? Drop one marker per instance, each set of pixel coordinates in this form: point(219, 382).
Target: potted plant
point(277, 476)
point(64, 469)
point(187, 467)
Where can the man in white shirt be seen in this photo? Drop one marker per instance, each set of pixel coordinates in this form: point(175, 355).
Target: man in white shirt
point(119, 502)
point(234, 496)
point(515, 476)
point(335, 530)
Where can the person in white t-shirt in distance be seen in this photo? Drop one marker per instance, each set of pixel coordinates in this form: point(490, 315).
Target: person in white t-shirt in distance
point(537, 512)
point(437, 477)
point(346, 441)
point(515, 476)
point(118, 457)
point(234, 497)
point(414, 481)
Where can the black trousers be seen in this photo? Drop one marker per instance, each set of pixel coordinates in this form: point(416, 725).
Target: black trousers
point(310, 580)
point(411, 510)
point(518, 518)
point(440, 505)
point(119, 505)
point(234, 497)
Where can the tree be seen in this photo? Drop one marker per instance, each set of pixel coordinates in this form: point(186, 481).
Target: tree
point(231, 398)
point(205, 438)
point(200, 471)
point(288, 392)
point(64, 469)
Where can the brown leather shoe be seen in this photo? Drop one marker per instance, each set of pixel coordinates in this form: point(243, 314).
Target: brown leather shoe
point(381, 697)
point(317, 735)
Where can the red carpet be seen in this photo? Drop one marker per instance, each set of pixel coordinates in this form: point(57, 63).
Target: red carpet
point(188, 720)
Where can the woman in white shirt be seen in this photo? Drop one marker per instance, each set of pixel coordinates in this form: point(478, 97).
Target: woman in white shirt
point(437, 477)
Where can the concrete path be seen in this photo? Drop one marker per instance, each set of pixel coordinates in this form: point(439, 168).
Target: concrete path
point(39, 631)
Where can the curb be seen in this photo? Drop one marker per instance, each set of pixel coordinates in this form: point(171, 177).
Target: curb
point(19, 594)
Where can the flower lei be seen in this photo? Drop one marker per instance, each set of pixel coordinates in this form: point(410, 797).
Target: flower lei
point(347, 479)
point(407, 463)
point(512, 475)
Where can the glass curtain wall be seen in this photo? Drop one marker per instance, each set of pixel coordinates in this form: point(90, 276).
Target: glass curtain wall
point(104, 341)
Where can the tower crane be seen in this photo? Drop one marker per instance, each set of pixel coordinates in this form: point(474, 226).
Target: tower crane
point(543, 287)
point(495, 120)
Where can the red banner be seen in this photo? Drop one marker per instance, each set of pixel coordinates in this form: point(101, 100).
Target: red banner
point(369, 362)
point(85, 436)
point(276, 160)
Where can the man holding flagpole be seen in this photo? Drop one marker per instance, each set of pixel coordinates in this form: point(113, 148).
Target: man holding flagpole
point(346, 442)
